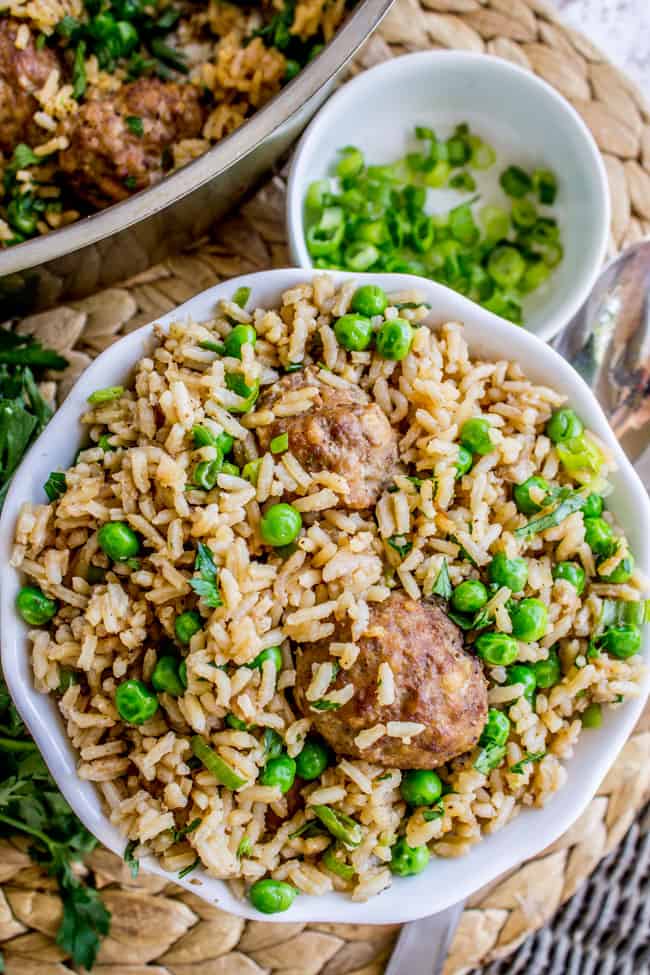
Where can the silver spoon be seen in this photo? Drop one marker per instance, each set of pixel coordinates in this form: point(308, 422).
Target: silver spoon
point(608, 343)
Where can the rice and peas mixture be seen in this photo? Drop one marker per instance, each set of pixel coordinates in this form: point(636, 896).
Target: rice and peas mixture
point(100, 99)
point(171, 641)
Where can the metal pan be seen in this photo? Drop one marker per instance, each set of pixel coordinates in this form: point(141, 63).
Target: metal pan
point(128, 237)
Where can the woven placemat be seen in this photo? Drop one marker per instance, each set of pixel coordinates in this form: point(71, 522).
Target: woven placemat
point(159, 929)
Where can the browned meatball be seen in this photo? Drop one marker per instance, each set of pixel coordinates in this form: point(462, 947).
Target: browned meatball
point(342, 433)
point(437, 683)
point(22, 72)
point(107, 160)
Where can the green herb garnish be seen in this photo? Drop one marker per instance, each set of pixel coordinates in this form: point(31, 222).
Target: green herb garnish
point(206, 584)
point(442, 586)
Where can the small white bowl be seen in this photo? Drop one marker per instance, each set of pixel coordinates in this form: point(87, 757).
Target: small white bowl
point(444, 882)
point(524, 119)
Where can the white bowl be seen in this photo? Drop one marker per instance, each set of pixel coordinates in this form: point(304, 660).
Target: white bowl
point(444, 881)
point(525, 120)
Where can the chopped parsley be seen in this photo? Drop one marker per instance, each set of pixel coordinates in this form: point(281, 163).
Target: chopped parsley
point(55, 486)
point(134, 125)
point(206, 585)
point(518, 767)
point(442, 586)
point(132, 861)
point(400, 544)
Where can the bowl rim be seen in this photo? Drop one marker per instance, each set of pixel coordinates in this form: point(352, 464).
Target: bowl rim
point(41, 715)
point(294, 207)
point(105, 224)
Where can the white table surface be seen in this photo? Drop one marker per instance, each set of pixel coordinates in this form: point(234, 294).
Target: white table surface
point(621, 28)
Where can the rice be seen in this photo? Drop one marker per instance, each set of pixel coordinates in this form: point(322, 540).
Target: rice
point(114, 619)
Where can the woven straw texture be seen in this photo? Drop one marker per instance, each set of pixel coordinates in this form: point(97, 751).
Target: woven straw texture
point(160, 930)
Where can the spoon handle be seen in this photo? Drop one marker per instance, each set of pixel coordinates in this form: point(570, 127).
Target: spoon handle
point(422, 946)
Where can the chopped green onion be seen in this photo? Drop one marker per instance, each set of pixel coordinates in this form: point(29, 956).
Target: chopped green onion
point(515, 182)
point(241, 297)
point(341, 827)
point(106, 395)
point(215, 764)
point(280, 443)
point(545, 185)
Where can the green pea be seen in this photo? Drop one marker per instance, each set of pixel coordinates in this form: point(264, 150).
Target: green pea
point(464, 461)
point(279, 772)
point(511, 573)
point(571, 572)
point(369, 300)
point(593, 506)
point(312, 760)
point(186, 625)
point(34, 606)
point(599, 536)
point(548, 672)
point(622, 572)
point(621, 641)
point(521, 494)
point(165, 677)
point(563, 425)
point(525, 675)
point(592, 716)
point(182, 673)
point(270, 653)
point(271, 896)
point(420, 787)
point(228, 468)
point(394, 339)
point(496, 649)
point(475, 436)
point(135, 702)
point(118, 541)
point(354, 332)
point(469, 596)
point(206, 473)
point(280, 525)
point(240, 335)
point(496, 729)
point(529, 618)
point(405, 860)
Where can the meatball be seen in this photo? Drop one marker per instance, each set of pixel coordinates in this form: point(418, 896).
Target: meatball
point(342, 433)
point(437, 683)
point(111, 156)
point(22, 72)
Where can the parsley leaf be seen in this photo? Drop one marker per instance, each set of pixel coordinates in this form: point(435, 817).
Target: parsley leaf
point(571, 502)
point(131, 861)
point(134, 125)
point(31, 804)
point(324, 705)
point(206, 585)
point(442, 585)
point(518, 767)
point(54, 487)
point(400, 545)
